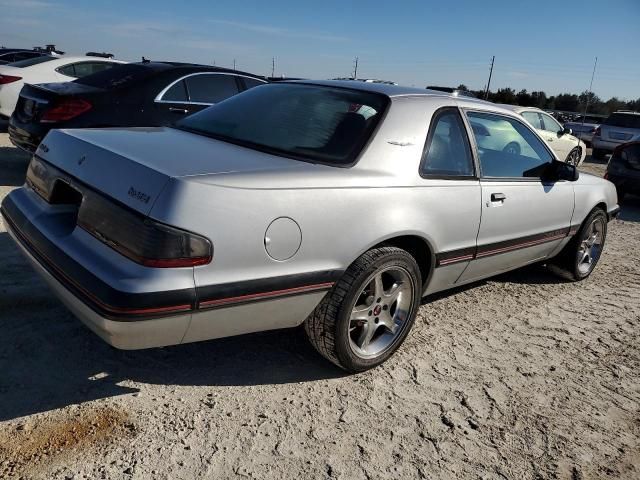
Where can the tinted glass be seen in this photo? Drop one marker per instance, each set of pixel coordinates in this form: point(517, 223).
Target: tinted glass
point(119, 75)
point(631, 155)
point(68, 70)
point(306, 122)
point(624, 120)
point(507, 148)
point(550, 124)
point(177, 93)
point(211, 88)
point(533, 118)
point(87, 68)
point(447, 152)
point(252, 82)
point(32, 61)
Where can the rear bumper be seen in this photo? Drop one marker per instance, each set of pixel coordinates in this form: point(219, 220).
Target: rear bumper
point(23, 139)
point(135, 320)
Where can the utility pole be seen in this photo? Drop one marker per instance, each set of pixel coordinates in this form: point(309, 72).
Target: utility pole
point(273, 67)
point(486, 92)
point(234, 63)
point(355, 69)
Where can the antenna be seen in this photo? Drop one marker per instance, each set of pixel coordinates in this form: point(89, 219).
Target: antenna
point(586, 105)
point(486, 92)
point(355, 69)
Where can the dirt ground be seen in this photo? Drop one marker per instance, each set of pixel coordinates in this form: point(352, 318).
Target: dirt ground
point(523, 376)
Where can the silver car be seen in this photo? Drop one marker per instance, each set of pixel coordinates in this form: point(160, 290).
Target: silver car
point(339, 205)
point(619, 128)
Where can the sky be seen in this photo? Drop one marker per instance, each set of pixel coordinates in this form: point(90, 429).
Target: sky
point(538, 44)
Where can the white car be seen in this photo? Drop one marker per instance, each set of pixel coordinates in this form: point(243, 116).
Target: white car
point(566, 147)
point(46, 69)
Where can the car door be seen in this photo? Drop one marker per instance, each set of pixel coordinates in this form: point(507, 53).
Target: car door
point(553, 133)
point(172, 103)
point(206, 89)
point(524, 217)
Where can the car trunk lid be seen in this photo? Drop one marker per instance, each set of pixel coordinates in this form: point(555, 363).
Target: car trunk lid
point(35, 100)
point(132, 165)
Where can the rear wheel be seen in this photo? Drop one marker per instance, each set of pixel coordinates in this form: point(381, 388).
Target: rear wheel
point(580, 256)
point(574, 156)
point(367, 315)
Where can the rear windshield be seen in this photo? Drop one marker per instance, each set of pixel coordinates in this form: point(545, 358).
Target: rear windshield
point(623, 120)
point(31, 61)
point(301, 121)
point(117, 76)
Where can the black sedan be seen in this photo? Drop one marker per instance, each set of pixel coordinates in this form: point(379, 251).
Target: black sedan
point(143, 94)
point(623, 169)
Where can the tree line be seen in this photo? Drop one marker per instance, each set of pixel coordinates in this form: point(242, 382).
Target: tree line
point(568, 102)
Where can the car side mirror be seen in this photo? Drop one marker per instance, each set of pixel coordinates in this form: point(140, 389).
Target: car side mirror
point(562, 171)
point(566, 131)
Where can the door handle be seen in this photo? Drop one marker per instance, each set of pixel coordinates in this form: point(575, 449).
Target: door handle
point(498, 197)
point(178, 110)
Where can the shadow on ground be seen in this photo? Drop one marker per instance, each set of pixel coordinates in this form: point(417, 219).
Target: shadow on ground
point(49, 360)
point(13, 166)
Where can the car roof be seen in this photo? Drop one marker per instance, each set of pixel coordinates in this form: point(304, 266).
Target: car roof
point(166, 66)
point(520, 109)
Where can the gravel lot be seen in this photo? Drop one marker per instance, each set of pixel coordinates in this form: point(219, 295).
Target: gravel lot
point(522, 376)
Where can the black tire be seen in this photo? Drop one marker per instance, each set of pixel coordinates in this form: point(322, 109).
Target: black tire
point(576, 151)
point(328, 325)
point(512, 148)
point(598, 154)
point(567, 264)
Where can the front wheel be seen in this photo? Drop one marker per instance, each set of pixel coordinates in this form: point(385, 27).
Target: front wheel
point(574, 157)
point(367, 315)
point(580, 256)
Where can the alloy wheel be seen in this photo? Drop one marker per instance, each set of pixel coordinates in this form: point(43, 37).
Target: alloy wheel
point(590, 247)
point(379, 315)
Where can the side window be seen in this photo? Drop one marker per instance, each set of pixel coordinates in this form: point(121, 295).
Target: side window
point(68, 70)
point(550, 124)
point(507, 148)
point(211, 88)
point(177, 93)
point(87, 68)
point(252, 82)
point(533, 118)
point(447, 151)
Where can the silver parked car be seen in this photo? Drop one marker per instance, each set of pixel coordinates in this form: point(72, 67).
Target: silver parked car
point(584, 126)
point(339, 205)
point(619, 128)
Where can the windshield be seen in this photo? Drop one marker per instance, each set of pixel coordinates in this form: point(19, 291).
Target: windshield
point(301, 121)
point(31, 61)
point(117, 76)
point(623, 120)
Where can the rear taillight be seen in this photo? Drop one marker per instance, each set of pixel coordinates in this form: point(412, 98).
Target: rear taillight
point(65, 109)
point(4, 79)
point(135, 236)
point(141, 239)
point(596, 132)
